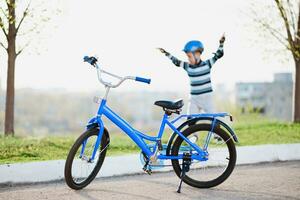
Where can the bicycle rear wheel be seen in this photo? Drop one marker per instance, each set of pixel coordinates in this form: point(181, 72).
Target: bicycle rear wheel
point(79, 171)
point(221, 156)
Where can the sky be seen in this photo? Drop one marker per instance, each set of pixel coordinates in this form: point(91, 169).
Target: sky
point(125, 34)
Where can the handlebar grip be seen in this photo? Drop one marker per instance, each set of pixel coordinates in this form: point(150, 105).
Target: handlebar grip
point(92, 60)
point(144, 80)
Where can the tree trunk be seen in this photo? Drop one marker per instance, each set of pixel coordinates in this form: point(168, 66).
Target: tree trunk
point(297, 93)
point(10, 87)
point(10, 94)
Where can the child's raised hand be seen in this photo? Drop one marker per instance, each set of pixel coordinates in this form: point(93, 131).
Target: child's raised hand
point(222, 40)
point(162, 50)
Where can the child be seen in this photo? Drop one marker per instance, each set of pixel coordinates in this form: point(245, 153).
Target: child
point(200, 98)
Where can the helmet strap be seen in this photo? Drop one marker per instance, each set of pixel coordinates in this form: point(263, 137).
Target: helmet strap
point(196, 60)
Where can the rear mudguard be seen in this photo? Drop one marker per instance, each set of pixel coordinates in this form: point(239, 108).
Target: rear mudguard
point(195, 120)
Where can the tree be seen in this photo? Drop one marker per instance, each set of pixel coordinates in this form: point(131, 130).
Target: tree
point(12, 53)
point(285, 28)
point(11, 23)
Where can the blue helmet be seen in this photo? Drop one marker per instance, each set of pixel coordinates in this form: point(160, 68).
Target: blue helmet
point(193, 45)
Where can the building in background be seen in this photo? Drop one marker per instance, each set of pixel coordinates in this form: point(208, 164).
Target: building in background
point(274, 99)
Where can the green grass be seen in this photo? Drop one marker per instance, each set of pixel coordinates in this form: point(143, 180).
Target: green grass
point(18, 149)
point(250, 129)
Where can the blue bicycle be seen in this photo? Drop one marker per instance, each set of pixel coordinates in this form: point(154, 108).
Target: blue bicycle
point(201, 150)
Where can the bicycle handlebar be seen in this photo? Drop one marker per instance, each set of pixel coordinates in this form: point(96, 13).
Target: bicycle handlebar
point(93, 61)
point(144, 80)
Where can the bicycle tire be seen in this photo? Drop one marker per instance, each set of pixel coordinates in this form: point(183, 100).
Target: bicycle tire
point(232, 156)
point(68, 165)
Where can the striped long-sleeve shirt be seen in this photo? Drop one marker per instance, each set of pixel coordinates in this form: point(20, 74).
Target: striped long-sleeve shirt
point(199, 74)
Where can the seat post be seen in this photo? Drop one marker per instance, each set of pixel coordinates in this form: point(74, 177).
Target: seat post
point(167, 112)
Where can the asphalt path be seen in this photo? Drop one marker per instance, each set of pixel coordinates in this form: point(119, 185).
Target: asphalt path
point(277, 180)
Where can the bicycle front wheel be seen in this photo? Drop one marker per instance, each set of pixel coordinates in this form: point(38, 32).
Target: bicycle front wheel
point(221, 156)
point(79, 170)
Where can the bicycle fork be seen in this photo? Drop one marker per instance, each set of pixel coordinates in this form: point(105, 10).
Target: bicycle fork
point(96, 145)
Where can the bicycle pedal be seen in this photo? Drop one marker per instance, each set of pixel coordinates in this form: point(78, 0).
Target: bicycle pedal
point(148, 171)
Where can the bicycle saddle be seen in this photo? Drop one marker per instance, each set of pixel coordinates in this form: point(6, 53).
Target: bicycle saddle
point(172, 105)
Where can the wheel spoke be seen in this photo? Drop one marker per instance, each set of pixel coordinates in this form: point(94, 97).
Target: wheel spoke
point(219, 153)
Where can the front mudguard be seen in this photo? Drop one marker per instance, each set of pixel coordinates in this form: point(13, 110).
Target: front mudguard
point(184, 125)
point(97, 123)
point(93, 122)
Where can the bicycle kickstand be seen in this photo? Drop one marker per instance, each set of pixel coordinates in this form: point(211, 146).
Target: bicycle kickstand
point(185, 168)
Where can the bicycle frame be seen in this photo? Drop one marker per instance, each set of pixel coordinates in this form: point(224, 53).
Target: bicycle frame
point(139, 137)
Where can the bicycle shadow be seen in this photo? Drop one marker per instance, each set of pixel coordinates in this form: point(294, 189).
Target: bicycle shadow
point(86, 194)
point(264, 194)
point(89, 193)
point(214, 192)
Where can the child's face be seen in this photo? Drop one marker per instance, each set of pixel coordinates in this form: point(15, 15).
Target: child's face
point(192, 58)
